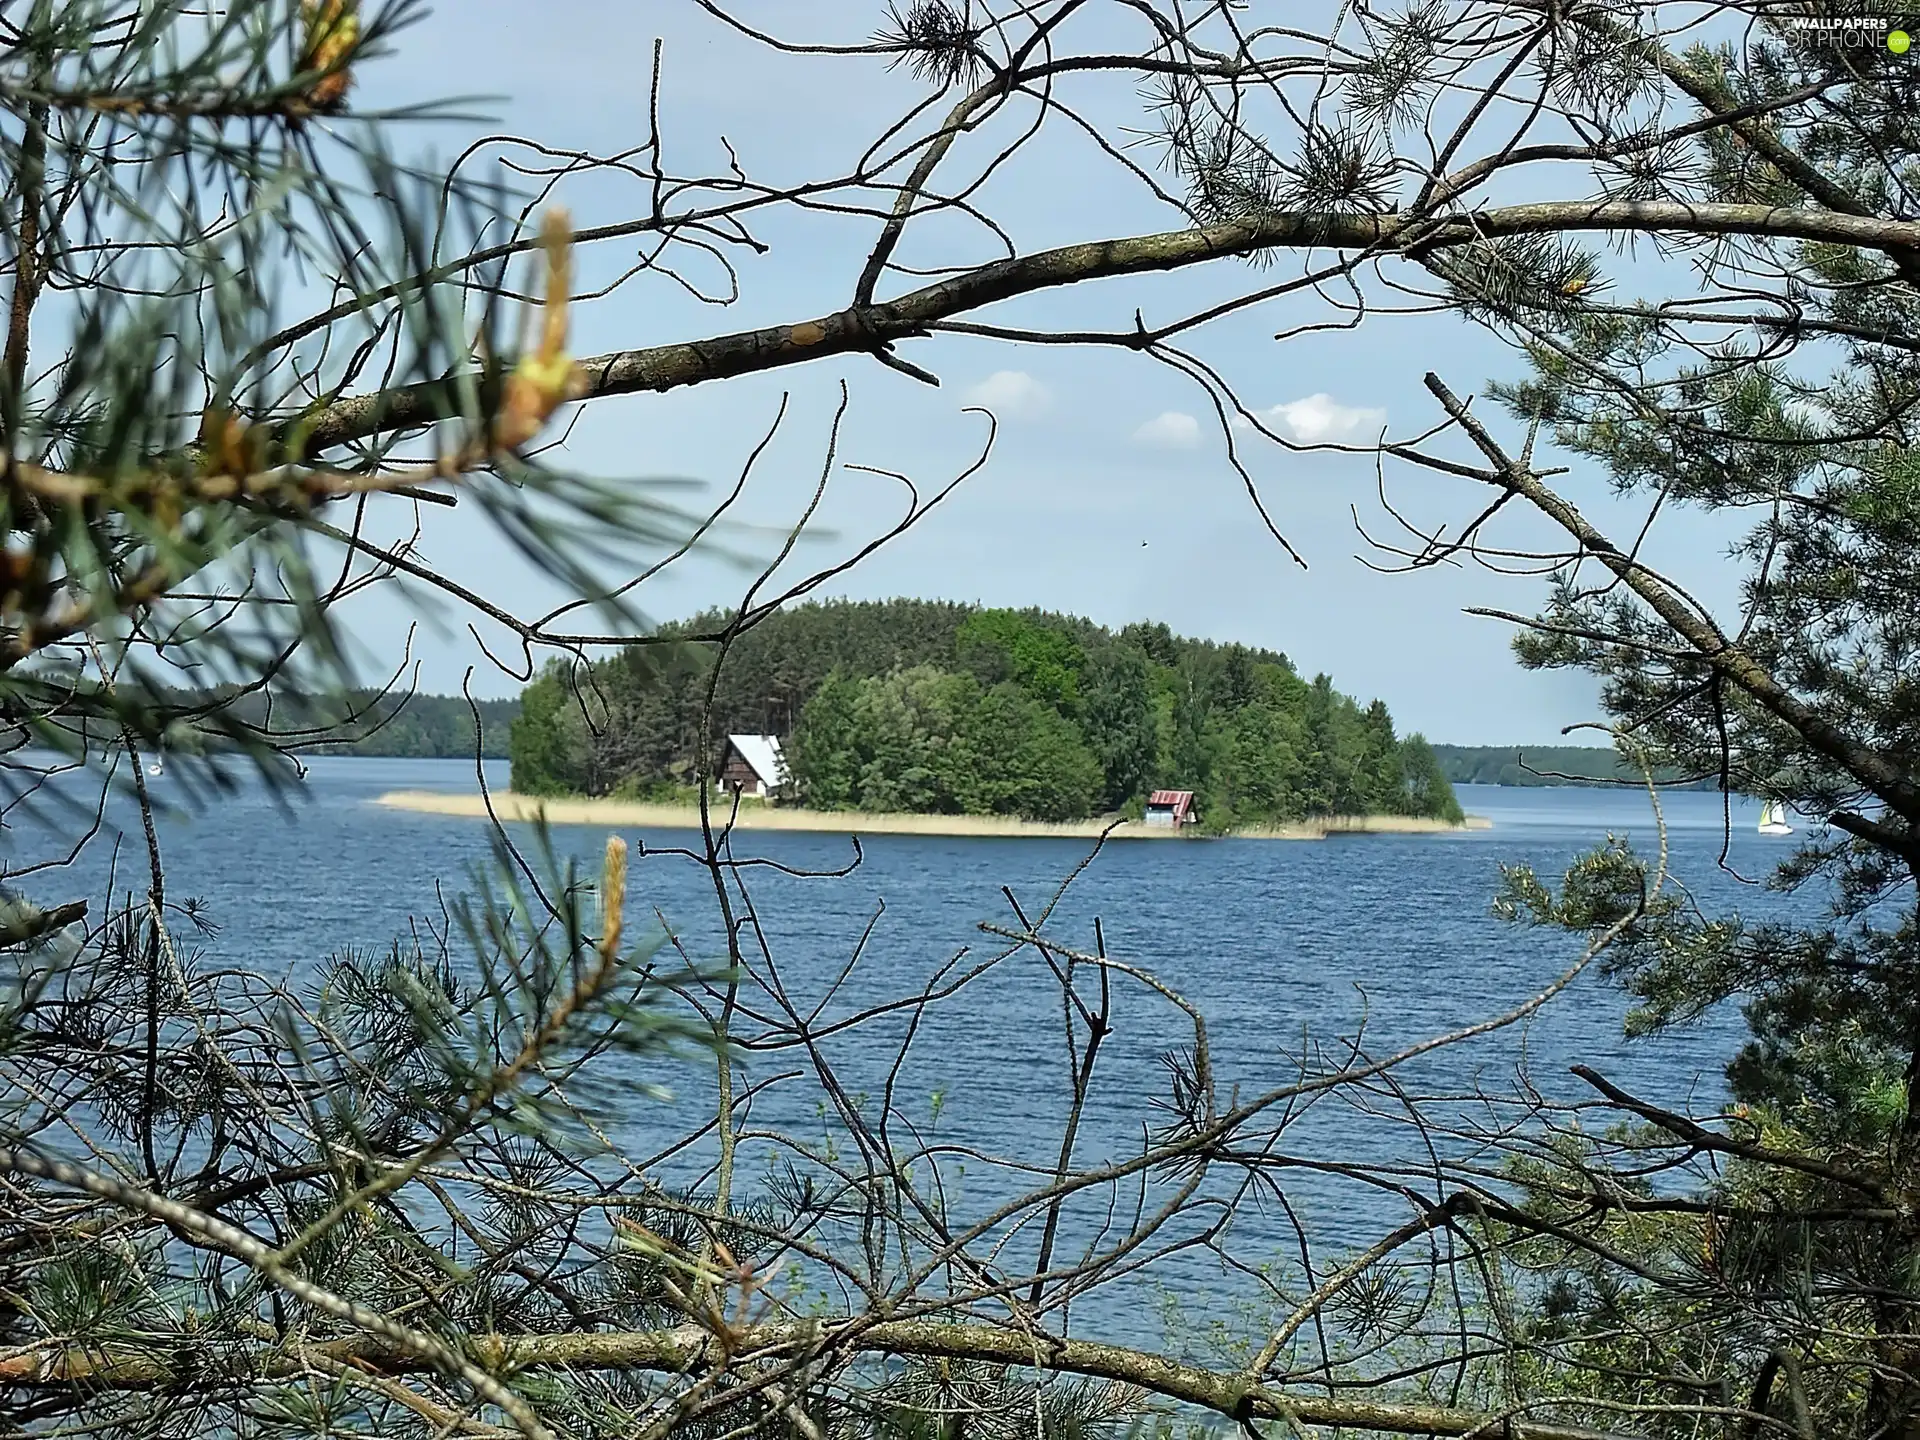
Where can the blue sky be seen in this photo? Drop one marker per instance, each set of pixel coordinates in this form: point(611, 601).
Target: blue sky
point(1108, 493)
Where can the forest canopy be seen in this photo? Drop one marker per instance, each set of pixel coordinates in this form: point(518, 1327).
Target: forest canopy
point(937, 707)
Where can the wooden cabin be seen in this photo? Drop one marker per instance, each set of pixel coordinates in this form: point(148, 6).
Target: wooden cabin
point(754, 765)
point(1171, 810)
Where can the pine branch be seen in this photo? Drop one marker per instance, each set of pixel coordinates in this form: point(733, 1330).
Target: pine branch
point(861, 329)
point(693, 1349)
point(421, 1349)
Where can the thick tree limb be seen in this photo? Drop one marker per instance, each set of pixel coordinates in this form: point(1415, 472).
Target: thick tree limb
point(30, 923)
point(1901, 840)
point(863, 329)
point(692, 1349)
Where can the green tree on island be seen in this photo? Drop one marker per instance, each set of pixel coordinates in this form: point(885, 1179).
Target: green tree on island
point(1042, 659)
point(1121, 722)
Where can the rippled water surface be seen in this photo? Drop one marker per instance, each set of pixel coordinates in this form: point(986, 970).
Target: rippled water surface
point(1276, 943)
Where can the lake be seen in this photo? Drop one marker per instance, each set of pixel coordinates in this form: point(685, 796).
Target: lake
point(1281, 945)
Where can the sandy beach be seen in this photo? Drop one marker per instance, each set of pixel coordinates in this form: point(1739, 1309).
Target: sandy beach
point(509, 806)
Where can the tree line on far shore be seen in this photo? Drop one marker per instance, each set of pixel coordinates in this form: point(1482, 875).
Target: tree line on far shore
point(931, 706)
point(417, 727)
point(1533, 765)
point(366, 721)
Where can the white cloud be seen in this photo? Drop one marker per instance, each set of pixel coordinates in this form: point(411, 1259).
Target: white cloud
point(1320, 418)
point(1011, 395)
point(1170, 430)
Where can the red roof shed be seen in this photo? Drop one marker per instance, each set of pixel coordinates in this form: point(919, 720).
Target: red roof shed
point(1171, 808)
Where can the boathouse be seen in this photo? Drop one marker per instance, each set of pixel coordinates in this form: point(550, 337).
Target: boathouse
point(1171, 809)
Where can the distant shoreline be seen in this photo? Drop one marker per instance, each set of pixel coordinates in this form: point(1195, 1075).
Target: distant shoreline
point(509, 806)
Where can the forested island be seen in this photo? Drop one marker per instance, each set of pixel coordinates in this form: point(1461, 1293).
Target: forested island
point(942, 708)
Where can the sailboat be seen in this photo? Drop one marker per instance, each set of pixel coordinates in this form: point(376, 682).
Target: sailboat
point(1773, 819)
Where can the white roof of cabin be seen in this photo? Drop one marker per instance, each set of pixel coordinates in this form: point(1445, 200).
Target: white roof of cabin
point(762, 752)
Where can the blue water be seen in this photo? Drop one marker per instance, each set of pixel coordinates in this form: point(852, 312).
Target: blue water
point(1283, 947)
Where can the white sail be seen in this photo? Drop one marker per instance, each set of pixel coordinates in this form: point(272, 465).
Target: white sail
point(1773, 819)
